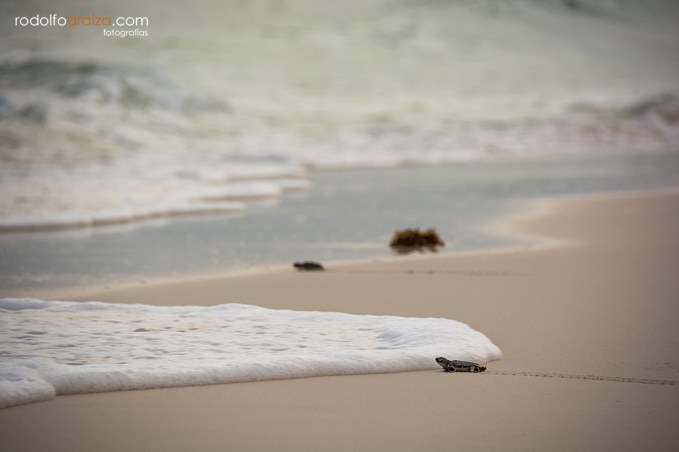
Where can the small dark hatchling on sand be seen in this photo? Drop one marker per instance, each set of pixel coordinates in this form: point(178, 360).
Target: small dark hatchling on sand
point(459, 366)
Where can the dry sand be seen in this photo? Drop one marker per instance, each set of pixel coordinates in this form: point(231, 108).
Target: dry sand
point(606, 305)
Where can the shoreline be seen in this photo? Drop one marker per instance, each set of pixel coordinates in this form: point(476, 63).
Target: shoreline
point(460, 201)
point(580, 327)
point(536, 221)
point(508, 226)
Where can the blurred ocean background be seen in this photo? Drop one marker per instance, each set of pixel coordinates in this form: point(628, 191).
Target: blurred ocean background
point(228, 103)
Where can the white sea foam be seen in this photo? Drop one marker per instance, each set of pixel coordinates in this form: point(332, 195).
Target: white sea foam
point(136, 188)
point(49, 348)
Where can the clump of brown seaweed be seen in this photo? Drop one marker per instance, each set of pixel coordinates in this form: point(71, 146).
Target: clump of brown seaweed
point(408, 240)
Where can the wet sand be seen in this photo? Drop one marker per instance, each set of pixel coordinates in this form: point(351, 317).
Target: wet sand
point(588, 331)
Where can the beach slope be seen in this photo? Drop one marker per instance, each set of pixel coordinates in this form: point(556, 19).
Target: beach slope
point(588, 331)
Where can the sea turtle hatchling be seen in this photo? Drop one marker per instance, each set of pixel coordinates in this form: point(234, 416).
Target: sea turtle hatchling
point(459, 366)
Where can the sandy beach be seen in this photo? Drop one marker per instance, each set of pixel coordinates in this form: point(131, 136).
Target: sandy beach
point(162, 169)
point(587, 329)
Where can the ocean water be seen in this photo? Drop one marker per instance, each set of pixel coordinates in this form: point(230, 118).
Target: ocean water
point(48, 348)
point(227, 102)
point(347, 215)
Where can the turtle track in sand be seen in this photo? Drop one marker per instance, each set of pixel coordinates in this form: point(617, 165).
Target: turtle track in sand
point(520, 373)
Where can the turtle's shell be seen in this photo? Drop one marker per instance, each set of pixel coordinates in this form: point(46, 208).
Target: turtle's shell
point(463, 364)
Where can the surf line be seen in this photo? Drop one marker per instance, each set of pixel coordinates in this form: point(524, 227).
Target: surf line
point(645, 381)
